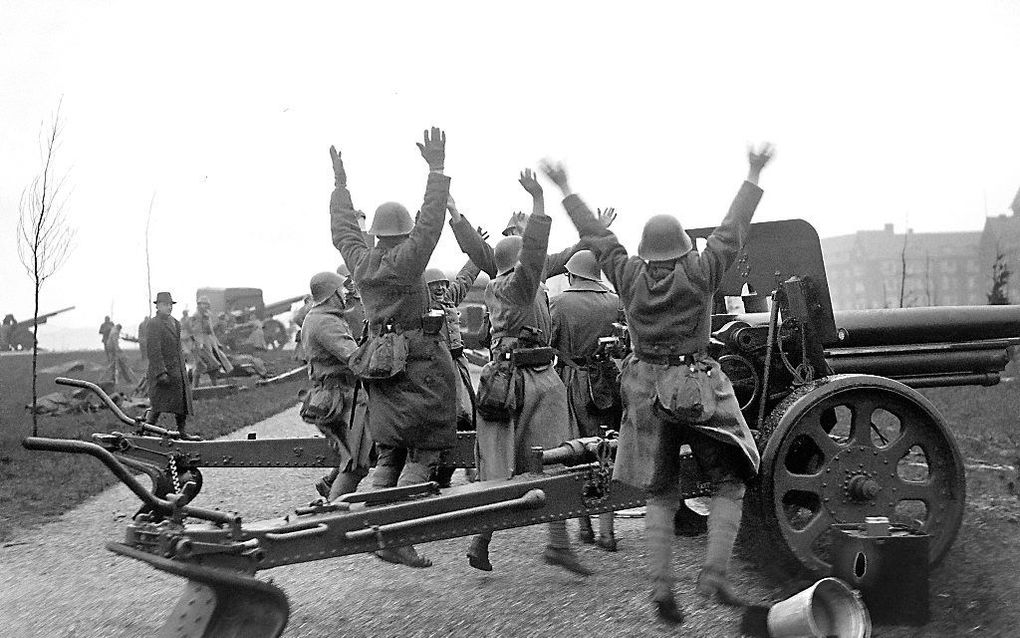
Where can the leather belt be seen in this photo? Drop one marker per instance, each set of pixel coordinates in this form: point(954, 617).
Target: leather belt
point(670, 359)
point(457, 352)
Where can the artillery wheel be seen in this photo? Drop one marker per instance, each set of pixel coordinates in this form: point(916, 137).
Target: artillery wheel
point(850, 446)
point(274, 333)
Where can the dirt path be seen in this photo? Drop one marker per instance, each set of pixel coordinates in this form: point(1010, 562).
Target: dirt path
point(59, 581)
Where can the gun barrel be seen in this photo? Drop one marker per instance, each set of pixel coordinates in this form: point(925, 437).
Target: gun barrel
point(283, 305)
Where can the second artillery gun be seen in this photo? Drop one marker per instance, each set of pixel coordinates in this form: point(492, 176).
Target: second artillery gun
point(248, 301)
point(18, 335)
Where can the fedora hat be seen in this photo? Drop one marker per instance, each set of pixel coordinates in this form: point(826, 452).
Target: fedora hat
point(164, 297)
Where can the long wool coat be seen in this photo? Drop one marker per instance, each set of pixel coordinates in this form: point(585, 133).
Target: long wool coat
point(516, 299)
point(163, 346)
point(670, 313)
point(416, 408)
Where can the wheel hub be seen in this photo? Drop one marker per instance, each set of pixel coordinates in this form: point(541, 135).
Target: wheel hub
point(851, 484)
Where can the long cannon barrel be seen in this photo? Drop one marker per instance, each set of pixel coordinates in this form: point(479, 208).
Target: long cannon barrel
point(861, 328)
point(41, 319)
point(283, 305)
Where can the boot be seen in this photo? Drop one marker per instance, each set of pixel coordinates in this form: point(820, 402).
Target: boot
point(443, 475)
point(345, 483)
point(478, 552)
point(606, 542)
point(606, 539)
point(723, 524)
point(558, 551)
point(659, 537)
point(405, 555)
point(585, 533)
point(323, 485)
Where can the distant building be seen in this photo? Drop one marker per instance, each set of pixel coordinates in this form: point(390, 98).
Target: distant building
point(866, 269)
point(1002, 235)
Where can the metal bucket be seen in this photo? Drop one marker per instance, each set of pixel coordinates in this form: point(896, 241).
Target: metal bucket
point(827, 608)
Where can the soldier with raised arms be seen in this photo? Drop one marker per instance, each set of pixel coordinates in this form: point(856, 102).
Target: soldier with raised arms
point(405, 362)
point(667, 292)
point(519, 311)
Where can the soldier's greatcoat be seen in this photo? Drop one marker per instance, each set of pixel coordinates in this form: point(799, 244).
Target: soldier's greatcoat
point(416, 408)
point(669, 313)
point(328, 344)
point(583, 312)
point(455, 294)
point(515, 299)
point(163, 346)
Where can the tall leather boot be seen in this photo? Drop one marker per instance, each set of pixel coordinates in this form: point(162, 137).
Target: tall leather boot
point(607, 537)
point(585, 533)
point(659, 537)
point(558, 551)
point(723, 523)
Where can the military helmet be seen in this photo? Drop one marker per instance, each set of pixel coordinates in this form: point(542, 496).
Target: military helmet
point(663, 238)
point(582, 264)
point(433, 275)
point(506, 253)
point(323, 285)
point(203, 300)
point(391, 219)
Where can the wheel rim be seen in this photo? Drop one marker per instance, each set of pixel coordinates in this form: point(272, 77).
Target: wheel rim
point(853, 446)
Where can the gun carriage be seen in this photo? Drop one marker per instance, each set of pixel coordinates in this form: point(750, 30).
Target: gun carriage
point(17, 335)
point(832, 398)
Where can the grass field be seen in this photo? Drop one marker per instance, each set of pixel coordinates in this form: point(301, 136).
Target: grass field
point(36, 486)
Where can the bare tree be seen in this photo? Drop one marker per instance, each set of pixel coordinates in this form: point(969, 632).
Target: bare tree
point(44, 236)
point(903, 268)
point(999, 294)
point(148, 271)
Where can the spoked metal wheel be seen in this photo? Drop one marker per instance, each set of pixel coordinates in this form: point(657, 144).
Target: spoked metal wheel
point(850, 446)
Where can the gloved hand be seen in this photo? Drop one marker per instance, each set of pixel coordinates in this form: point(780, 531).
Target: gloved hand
point(434, 149)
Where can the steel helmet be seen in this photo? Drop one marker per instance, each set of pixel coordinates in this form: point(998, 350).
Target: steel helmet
point(323, 285)
point(506, 253)
point(390, 220)
point(203, 300)
point(343, 270)
point(582, 264)
point(433, 275)
point(663, 238)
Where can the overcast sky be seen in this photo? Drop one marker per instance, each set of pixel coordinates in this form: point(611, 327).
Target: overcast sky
point(882, 112)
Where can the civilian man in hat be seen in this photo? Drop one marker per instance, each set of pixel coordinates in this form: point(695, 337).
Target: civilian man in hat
point(585, 311)
point(667, 291)
point(169, 390)
point(519, 315)
point(328, 345)
point(210, 358)
point(407, 368)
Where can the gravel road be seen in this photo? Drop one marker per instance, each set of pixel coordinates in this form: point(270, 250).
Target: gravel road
point(58, 580)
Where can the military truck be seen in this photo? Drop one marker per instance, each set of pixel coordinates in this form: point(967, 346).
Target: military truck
point(17, 335)
point(239, 303)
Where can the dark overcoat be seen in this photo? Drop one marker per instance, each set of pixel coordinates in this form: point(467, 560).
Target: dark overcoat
point(163, 346)
point(418, 407)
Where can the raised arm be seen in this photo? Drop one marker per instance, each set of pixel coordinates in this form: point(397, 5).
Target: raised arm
point(524, 281)
point(412, 255)
point(611, 254)
point(726, 240)
point(348, 236)
point(471, 242)
point(462, 283)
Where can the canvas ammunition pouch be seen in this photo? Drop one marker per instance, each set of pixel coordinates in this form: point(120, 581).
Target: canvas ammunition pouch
point(603, 386)
point(686, 393)
point(532, 357)
point(496, 399)
point(323, 404)
point(381, 356)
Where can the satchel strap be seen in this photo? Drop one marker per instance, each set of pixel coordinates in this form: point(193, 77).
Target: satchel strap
point(688, 359)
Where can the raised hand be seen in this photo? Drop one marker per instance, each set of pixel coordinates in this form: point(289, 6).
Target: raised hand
point(757, 160)
point(482, 233)
point(606, 216)
point(557, 174)
point(433, 149)
point(529, 183)
point(339, 174)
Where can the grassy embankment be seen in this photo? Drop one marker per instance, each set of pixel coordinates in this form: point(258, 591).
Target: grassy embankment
point(36, 486)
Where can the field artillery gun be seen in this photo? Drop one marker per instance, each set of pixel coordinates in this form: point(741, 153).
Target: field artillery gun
point(18, 335)
point(249, 301)
point(832, 396)
point(220, 553)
